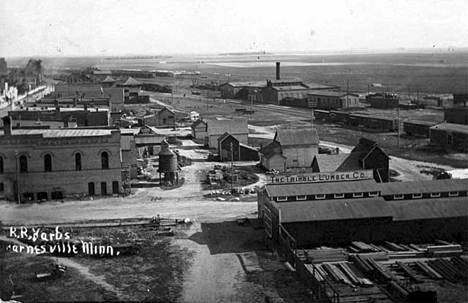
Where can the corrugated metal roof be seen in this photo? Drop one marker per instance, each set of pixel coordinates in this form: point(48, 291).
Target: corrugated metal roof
point(330, 94)
point(329, 163)
point(459, 128)
point(304, 136)
point(339, 187)
point(56, 133)
point(290, 87)
point(334, 210)
point(429, 186)
point(453, 207)
point(233, 126)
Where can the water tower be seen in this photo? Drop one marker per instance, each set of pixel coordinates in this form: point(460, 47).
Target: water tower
point(168, 166)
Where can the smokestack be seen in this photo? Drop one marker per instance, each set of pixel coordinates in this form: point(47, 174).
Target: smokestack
point(7, 126)
point(277, 70)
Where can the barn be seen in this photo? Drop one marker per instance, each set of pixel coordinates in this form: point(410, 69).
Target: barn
point(231, 149)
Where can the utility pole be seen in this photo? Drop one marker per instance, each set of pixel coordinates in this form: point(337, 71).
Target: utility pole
point(17, 177)
point(347, 93)
point(398, 112)
point(232, 166)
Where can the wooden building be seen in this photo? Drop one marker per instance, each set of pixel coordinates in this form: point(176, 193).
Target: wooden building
point(453, 137)
point(230, 148)
point(456, 115)
point(333, 100)
point(216, 128)
point(368, 155)
point(199, 131)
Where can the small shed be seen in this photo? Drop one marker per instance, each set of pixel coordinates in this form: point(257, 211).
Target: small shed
point(453, 137)
point(199, 131)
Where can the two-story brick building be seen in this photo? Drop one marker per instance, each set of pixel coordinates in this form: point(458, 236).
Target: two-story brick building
point(45, 164)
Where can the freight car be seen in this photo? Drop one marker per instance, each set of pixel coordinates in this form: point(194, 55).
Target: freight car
point(373, 122)
point(418, 128)
point(338, 117)
point(321, 115)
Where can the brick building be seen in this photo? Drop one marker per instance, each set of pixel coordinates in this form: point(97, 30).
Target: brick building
point(45, 164)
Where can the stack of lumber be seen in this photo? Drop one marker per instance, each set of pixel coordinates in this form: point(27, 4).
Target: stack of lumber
point(322, 255)
point(428, 270)
point(315, 273)
point(380, 272)
point(361, 247)
point(409, 272)
point(448, 271)
point(394, 247)
point(353, 276)
point(444, 250)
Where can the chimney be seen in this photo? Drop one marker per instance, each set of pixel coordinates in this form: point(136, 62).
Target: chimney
point(277, 70)
point(86, 106)
point(7, 126)
point(57, 112)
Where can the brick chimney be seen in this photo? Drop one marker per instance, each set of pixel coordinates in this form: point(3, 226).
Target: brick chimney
point(7, 126)
point(277, 71)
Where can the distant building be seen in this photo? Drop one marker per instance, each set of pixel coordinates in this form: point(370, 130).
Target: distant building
point(163, 118)
point(296, 147)
point(52, 164)
point(199, 132)
point(384, 100)
point(456, 115)
point(237, 127)
point(453, 137)
point(333, 100)
point(460, 99)
point(240, 90)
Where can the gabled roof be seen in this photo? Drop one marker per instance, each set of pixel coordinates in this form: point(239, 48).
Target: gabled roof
point(166, 109)
point(429, 208)
point(272, 154)
point(338, 209)
point(304, 189)
point(198, 122)
point(130, 81)
point(233, 126)
point(225, 136)
point(420, 187)
point(109, 79)
point(360, 152)
point(320, 86)
point(289, 137)
point(272, 147)
point(329, 163)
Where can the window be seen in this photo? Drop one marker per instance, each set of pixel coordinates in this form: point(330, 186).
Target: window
point(301, 198)
point(282, 199)
point(103, 188)
point(453, 194)
point(42, 196)
point(373, 194)
point(56, 195)
point(47, 162)
point(23, 164)
point(1, 165)
point(435, 195)
point(339, 196)
point(398, 197)
point(2, 187)
point(319, 197)
point(115, 187)
point(417, 196)
point(105, 160)
point(91, 190)
point(77, 161)
point(358, 195)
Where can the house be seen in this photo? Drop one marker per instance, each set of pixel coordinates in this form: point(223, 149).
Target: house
point(453, 137)
point(199, 131)
point(231, 149)
point(333, 100)
point(166, 118)
point(456, 115)
point(237, 127)
point(368, 155)
point(271, 157)
point(53, 164)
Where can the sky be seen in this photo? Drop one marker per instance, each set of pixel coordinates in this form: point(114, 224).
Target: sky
point(152, 27)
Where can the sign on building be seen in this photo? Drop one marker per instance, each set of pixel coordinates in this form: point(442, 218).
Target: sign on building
point(322, 177)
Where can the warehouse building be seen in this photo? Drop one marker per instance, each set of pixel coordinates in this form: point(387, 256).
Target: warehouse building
point(208, 132)
point(291, 148)
point(456, 115)
point(453, 137)
point(333, 100)
point(336, 208)
point(45, 164)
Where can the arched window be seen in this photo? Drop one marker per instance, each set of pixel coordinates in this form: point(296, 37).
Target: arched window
point(105, 160)
point(91, 190)
point(23, 164)
point(1, 165)
point(78, 161)
point(47, 162)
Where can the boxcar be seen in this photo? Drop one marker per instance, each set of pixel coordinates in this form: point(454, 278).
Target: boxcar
point(418, 128)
